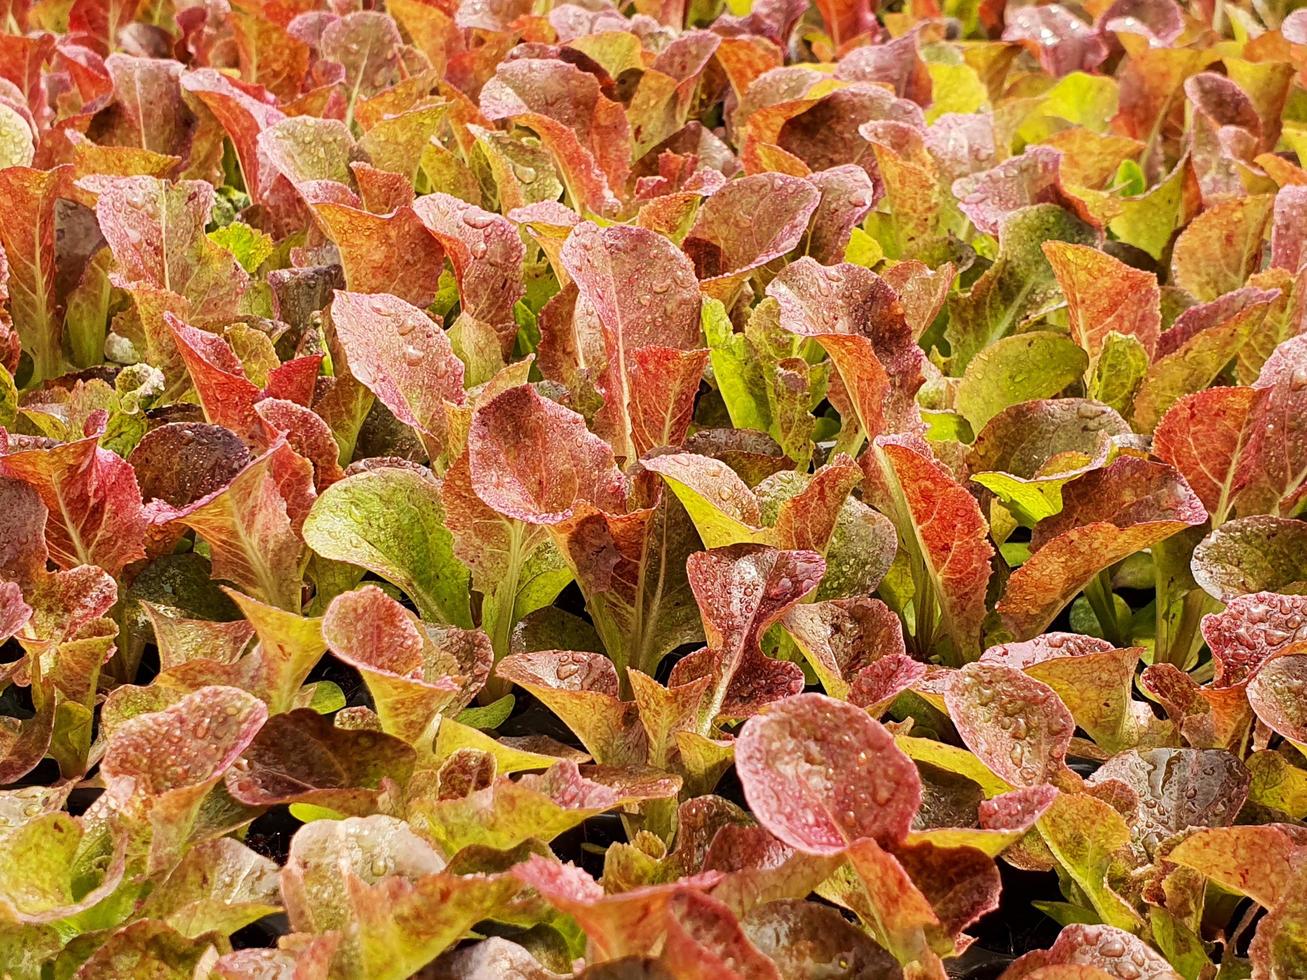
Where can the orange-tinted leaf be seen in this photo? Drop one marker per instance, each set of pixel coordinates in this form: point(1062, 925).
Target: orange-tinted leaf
point(252, 525)
point(1107, 515)
point(1103, 295)
point(27, 234)
point(385, 253)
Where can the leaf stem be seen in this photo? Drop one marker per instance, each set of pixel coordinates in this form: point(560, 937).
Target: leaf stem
point(1180, 641)
point(1103, 601)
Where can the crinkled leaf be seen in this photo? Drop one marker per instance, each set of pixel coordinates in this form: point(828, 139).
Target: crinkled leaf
point(252, 524)
point(220, 886)
point(391, 522)
point(1104, 295)
point(1252, 554)
point(542, 806)
point(93, 502)
point(1178, 789)
point(1107, 515)
point(301, 757)
point(413, 672)
point(1111, 951)
point(1018, 285)
point(147, 947)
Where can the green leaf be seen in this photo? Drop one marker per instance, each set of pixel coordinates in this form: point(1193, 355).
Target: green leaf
point(1084, 833)
point(1016, 369)
point(1119, 372)
point(250, 246)
point(863, 250)
point(737, 370)
point(391, 522)
point(1195, 364)
point(8, 399)
point(1017, 286)
point(957, 88)
point(1148, 220)
point(488, 716)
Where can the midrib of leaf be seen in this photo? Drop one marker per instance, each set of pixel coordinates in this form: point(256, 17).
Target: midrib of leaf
point(1224, 502)
point(1009, 314)
point(45, 360)
point(622, 448)
point(656, 598)
point(932, 600)
point(354, 92)
point(262, 572)
point(163, 242)
point(505, 607)
point(74, 534)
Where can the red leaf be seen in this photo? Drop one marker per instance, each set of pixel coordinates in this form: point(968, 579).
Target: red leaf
point(748, 223)
point(821, 774)
point(742, 590)
point(156, 232)
point(1251, 630)
point(1112, 951)
point(403, 357)
point(1013, 723)
point(535, 461)
point(486, 253)
point(1062, 42)
point(856, 316)
point(636, 310)
point(942, 523)
point(93, 499)
point(1206, 436)
point(252, 525)
point(226, 395)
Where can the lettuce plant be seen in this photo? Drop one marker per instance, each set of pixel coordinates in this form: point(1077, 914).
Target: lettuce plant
point(746, 490)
